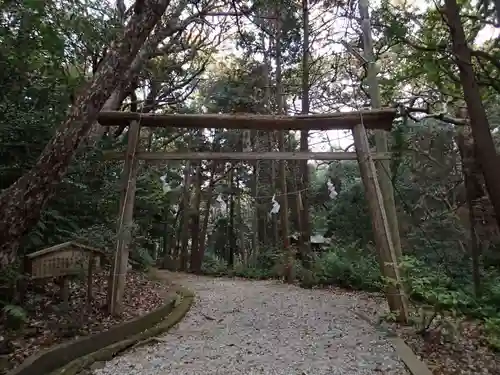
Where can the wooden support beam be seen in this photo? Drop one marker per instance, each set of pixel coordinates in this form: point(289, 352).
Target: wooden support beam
point(381, 143)
point(112, 155)
point(395, 293)
point(125, 221)
point(373, 119)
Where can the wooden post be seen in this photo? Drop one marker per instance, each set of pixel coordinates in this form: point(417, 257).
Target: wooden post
point(247, 156)
point(387, 257)
point(125, 221)
point(383, 166)
point(65, 293)
point(90, 271)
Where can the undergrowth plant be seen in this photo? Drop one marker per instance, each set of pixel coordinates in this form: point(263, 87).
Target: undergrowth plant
point(14, 316)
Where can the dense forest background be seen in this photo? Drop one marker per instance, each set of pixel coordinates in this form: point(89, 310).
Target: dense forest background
point(215, 217)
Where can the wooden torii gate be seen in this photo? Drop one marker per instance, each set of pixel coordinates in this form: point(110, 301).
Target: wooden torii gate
point(357, 121)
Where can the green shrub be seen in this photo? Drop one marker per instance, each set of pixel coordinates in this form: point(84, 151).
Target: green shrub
point(348, 218)
point(15, 316)
point(213, 266)
point(432, 286)
point(268, 259)
point(141, 259)
point(492, 332)
point(256, 273)
point(489, 301)
point(347, 267)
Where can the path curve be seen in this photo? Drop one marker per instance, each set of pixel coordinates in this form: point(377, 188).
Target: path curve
point(263, 327)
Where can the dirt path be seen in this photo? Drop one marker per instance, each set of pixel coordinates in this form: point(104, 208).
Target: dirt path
point(263, 327)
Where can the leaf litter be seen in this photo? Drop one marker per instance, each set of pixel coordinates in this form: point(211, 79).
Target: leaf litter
point(47, 324)
point(466, 353)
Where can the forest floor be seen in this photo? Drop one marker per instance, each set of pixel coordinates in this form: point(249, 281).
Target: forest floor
point(466, 353)
point(45, 325)
point(263, 327)
point(239, 326)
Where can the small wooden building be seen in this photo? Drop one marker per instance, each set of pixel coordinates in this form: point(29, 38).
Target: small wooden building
point(318, 242)
point(63, 261)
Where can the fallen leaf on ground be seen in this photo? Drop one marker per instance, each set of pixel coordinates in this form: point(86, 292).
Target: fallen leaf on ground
point(47, 324)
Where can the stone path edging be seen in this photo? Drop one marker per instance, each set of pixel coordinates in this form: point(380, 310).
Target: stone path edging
point(71, 357)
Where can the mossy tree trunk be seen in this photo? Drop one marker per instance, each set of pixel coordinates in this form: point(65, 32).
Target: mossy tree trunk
point(22, 203)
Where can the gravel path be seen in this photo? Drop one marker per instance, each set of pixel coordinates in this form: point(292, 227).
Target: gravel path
point(248, 327)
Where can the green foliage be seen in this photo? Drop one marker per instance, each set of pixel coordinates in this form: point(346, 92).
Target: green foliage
point(253, 272)
point(492, 330)
point(15, 316)
point(141, 258)
point(345, 266)
point(440, 300)
point(103, 237)
point(348, 267)
point(214, 266)
point(238, 85)
point(349, 216)
point(268, 258)
point(46, 52)
point(48, 49)
point(489, 300)
point(434, 288)
point(10, 274)
point(9, 278)
point(268, 266)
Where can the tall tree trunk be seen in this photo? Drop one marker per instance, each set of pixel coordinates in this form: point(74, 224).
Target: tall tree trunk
point(22, 203)
point(260, 218)
point(184, 243)
point(473, 191)
point(302, 196)
point(256, 209)
point(165, 240)
point(280, 104)
point(231, 229)
point(184, 235)
point(201, 245)
point(204, 228)
point(196, 260)
point(241, 226)
point(474, 248)
point(485, 147)
point(294, 183)
point(274, 176)
point(176, 254)
point(170, 258)
point(206, 217)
